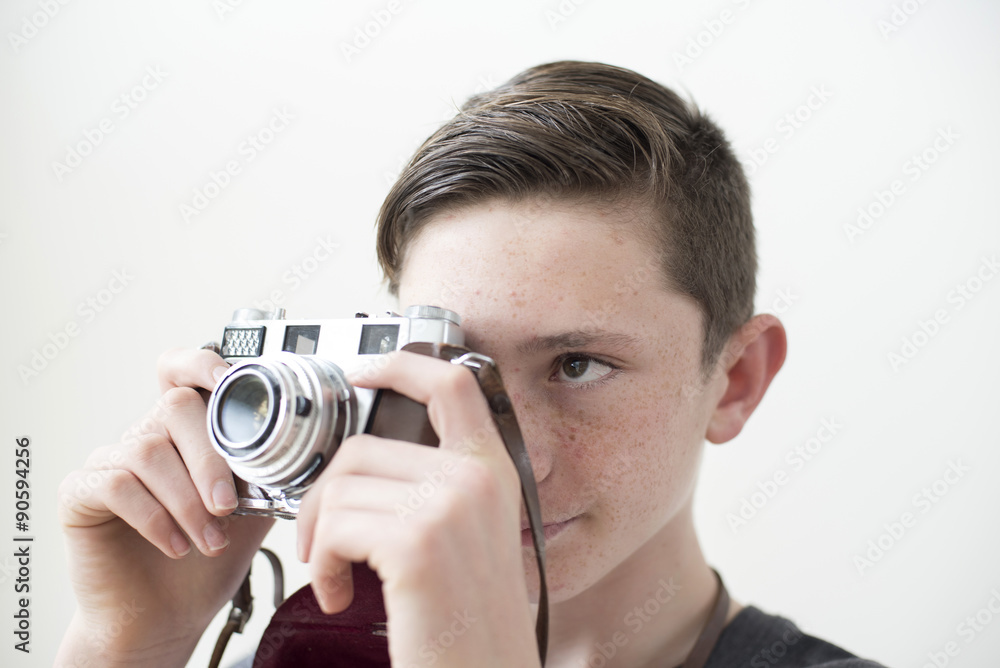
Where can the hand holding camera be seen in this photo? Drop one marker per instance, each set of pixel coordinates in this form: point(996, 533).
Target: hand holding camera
point(143, 530)
point(277, 418)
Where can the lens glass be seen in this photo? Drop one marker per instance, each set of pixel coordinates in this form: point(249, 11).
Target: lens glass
point(244, 409)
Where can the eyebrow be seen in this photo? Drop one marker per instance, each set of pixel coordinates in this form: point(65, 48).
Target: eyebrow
point(577, 339)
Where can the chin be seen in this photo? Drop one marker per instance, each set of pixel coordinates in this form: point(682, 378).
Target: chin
point(571, 567)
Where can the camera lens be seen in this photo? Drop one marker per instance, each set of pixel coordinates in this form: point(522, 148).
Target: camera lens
point(244, 409)
point(277, 419)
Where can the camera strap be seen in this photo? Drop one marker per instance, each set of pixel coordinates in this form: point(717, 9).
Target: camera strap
point(300, 634)
point(510, 433)
point(300, 615)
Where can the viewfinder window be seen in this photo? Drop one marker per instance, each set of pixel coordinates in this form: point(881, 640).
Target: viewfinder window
point(378, 339)
point(301, 339)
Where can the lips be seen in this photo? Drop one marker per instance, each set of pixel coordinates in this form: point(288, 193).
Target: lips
point(550, 530)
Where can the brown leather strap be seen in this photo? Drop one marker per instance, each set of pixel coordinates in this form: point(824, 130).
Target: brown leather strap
point(239, 614)
point(713, 629)
point(502, 411)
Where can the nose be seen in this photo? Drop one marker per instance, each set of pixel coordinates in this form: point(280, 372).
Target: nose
point(536, 437)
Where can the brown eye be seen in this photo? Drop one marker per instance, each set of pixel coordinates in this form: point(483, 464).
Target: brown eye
point(575, 367)
point(581, 369)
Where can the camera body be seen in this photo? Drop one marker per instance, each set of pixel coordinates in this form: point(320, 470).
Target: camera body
point(284, 407)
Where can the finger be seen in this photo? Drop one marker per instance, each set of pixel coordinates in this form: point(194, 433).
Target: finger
point(184, 367)
point(365, 454)
point(184, 420)
point(455, 404)
point(119, 493)
point(158, 466)
point(334, 587)
point(335, 492)
point(345, 536)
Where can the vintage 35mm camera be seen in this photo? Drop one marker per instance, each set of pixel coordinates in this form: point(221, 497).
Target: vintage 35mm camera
point(285, 406)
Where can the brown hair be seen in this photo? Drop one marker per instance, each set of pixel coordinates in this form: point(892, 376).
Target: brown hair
point(590, 131)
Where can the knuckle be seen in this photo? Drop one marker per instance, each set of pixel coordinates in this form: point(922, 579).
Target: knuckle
point(330, 495)
point(457, 381)
point(156, 516)
point(477, 479)
point(181, 399)
point(120, 482)
point(98, 458)
point(149, 450)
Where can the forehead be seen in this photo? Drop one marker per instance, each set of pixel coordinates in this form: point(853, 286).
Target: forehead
point(534, 244)
point(550, 265)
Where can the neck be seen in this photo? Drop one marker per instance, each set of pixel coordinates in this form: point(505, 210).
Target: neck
point(648, 611)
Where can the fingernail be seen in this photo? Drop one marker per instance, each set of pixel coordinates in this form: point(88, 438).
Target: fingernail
point(218, 372)
point(179, 544)
point(321, 598)
point(224, 495)
point(214, 536)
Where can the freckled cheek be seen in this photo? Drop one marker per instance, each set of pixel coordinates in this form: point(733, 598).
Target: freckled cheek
point(630, 457)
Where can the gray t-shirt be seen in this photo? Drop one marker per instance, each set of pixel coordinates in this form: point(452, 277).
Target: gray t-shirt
point(755, 639)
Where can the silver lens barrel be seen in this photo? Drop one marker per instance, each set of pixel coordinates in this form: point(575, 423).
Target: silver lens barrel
point(278, 420)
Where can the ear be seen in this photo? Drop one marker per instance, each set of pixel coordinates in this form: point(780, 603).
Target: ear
point(754, 354)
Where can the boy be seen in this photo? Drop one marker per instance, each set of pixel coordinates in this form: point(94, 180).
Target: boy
point(594, 233)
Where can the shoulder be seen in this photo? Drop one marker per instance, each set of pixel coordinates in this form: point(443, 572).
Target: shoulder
point(755, 639)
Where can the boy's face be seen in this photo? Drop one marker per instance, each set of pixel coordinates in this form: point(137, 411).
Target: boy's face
point(599, 359)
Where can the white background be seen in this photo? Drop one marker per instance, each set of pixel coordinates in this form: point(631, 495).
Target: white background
point(356, 120)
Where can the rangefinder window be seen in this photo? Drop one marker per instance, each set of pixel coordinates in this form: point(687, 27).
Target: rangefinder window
point(301, 339)
point(378, 339)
